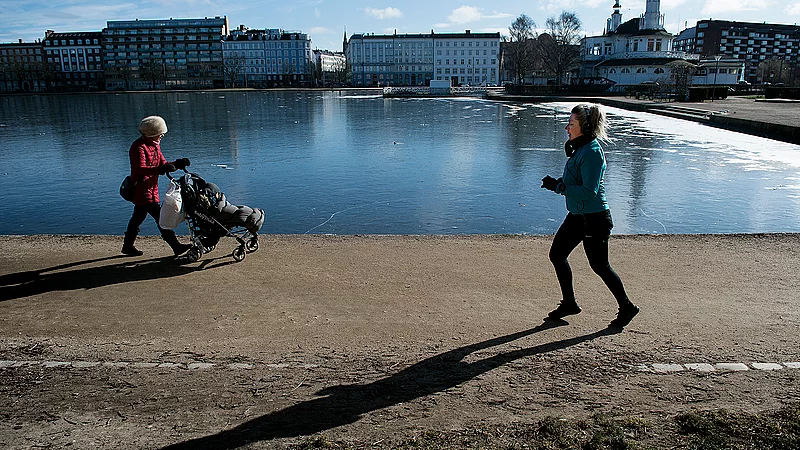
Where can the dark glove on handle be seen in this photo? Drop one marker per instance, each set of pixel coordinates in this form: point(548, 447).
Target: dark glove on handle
point(183, 163)
point(166, 168)
point(549, 183)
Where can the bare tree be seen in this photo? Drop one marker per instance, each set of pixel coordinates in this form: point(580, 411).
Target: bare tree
point(153, 71)
point(232, 68)
point(561, 48)
point(681, 75)
point(518, 54)
point(342, 72)
point(774, 70)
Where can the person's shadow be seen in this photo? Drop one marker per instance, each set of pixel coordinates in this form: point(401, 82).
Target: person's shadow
point(344, 404)
point(71, 276)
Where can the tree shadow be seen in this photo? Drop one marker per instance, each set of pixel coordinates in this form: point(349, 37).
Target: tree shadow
point(72, 276)
point(345, 404)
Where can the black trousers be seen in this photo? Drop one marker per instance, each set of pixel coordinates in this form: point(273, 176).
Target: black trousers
point(140, 213)
point(594, 230)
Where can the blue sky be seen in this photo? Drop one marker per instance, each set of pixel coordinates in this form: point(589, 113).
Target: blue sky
point(326, 20)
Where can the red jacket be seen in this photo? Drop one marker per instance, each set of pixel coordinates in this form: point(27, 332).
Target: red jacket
point(145, 155)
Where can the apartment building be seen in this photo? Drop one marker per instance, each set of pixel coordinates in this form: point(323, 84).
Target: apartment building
point(172, 54)
point(751, 43)
point(416, 59)
point(468, 58)
point(75, 60)
point(266, 58)
point(22, 67)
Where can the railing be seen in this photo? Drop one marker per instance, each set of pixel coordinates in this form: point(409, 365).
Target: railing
point(631, 55)
point(424, 91)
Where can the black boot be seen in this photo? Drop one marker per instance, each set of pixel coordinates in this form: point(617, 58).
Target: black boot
point(127, 245)
point(172, 240)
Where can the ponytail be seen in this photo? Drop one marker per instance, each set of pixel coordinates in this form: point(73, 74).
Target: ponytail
point(592, 120)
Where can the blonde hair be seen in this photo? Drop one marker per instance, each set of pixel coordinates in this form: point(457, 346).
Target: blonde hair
point(592, 120)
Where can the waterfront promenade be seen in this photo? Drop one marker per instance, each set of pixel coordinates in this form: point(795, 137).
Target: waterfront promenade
point(770, 118)
point(375, 340)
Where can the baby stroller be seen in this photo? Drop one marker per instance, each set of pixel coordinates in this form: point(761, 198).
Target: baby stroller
point(210, 217)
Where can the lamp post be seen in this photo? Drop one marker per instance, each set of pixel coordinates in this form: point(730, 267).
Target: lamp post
point(714, 91)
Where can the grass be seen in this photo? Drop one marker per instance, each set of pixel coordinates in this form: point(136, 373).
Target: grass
point(722, 429)
point(703, 430)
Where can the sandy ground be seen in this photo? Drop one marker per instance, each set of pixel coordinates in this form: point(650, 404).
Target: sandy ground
point(372, 339)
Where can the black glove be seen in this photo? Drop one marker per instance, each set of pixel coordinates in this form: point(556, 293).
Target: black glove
point(183, 163)
point(166, 168)
point(550, 183)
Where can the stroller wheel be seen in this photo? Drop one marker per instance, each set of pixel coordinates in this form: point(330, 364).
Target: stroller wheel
point(238, 253)
point(194, 254)
point(251, 245)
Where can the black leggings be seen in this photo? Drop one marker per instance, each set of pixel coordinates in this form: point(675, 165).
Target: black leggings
point(594, 230)
point(140, 213)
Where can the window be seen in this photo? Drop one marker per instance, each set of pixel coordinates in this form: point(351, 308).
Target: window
point(641, 70)
point(658, 70)
point(626, 70)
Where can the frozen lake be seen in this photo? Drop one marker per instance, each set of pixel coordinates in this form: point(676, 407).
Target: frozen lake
point(354, 164)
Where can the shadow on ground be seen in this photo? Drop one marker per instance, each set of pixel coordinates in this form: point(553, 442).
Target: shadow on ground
point(345, 404)
point(72, 276)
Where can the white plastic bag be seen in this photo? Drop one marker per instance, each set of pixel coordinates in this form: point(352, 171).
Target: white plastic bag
point(172, 213)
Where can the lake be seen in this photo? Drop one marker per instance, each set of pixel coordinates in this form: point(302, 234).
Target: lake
point(350, 163)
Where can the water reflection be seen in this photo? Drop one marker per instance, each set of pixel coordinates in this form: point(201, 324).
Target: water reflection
point(350, 163)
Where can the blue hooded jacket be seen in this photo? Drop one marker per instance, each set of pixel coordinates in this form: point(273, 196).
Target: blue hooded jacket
point(583, 180)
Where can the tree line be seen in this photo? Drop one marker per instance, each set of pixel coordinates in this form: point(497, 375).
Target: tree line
point(552, 52)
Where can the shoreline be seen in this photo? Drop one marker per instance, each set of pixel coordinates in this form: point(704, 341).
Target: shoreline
point(777, 120)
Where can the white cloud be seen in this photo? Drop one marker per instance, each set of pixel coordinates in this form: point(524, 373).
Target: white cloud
point(319, 30)
point(386, 13)
point(317, 14)
point(465, 14)
point(468, 14)
point(727, 6)
point(793, 10)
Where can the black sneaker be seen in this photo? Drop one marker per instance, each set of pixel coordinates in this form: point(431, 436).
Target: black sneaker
point(564, 310)
point(624, 316)
point(131, 251)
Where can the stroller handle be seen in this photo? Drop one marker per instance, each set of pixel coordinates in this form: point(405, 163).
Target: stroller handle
point(169, 174)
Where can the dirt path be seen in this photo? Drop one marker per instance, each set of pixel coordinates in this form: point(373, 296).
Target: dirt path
point(377, 339)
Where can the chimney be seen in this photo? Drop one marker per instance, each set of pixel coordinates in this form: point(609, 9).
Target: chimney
point(467, 31)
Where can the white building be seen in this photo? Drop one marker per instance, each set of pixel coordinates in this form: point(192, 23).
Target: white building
point(468, 58)
point(416, 59)
point(632, 52)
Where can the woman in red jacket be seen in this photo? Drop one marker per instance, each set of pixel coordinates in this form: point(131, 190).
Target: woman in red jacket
point(147, 163)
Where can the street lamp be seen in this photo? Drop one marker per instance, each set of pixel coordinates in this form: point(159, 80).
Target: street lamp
point(714, 92)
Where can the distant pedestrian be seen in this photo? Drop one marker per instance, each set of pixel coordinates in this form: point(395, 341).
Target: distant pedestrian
point(589, 218)
point(147, 163)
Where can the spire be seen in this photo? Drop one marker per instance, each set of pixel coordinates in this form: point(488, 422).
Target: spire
point(652, 19)
point(616, 18)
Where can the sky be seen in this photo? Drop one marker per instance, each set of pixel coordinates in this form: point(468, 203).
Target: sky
point(326, 20)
